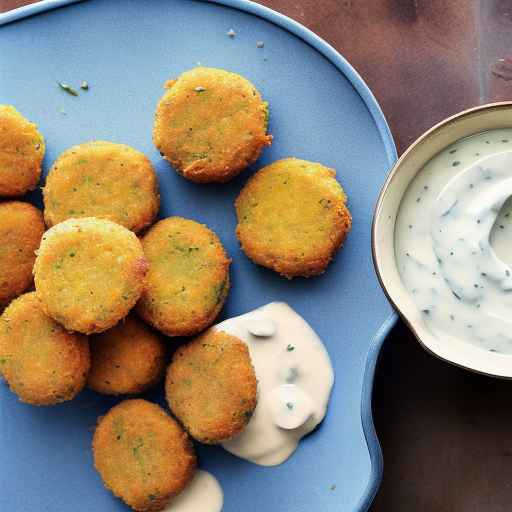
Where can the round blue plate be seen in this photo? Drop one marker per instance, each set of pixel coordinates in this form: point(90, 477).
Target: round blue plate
point(320, 110)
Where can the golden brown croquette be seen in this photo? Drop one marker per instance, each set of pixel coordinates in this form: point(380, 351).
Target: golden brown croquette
point(21, 229)
point(293, 217)
point(89, 273)
point(105, 180)
point(188, 278)
point(42, 362)
point(211, 124)
point(211, 386)
point(127, 359)
point(21, 153)
point(142, 454)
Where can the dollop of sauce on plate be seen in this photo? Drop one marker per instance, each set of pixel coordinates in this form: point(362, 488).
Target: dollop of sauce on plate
point(202, 494)
point(295, 378)
point(453, 241)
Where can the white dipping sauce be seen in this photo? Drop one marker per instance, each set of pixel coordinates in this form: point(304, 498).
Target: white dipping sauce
point(202, 494)
point(453, 241)
point(295, 378)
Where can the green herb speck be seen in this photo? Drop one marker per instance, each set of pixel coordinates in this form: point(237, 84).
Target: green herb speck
point(289, 405)
point(84, 86)
point(68, 89)
point(290, 348)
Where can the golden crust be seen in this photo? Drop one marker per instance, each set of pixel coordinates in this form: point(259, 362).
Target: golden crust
point(43, 363)
point(142, 454)
point(292, 217)
point(127, 359)
point(188, 277)
point(211, 124)
point(211, 386)
point(104, 180)
point(22, 151)
point(21, 229)
point(89, 273)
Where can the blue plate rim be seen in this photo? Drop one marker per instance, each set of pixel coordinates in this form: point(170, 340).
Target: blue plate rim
point(333, 56)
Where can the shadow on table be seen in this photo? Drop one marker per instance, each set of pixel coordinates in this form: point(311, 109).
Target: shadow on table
point(446, 433)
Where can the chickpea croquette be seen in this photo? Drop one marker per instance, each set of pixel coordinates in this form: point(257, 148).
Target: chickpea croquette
point(211, 124)
point(105, 180)
point(142, 454)
point(293, 217)
point(42, 362)
point(188, 278)
point(127, 359)
point(21, 153)
point(211, 386)
point(89, 273)
point(21, 229)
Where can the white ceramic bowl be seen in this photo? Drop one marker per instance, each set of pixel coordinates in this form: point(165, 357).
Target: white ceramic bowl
point(469, 122)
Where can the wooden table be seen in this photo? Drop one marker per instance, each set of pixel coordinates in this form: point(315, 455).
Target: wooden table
point(446, 433)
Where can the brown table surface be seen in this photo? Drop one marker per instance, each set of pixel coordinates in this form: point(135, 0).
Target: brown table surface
point(446, 433)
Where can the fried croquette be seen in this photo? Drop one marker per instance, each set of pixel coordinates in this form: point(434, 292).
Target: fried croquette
point(293, 217)
point(21, 229)
point(211, 386)
point(211, 124)
point(142, 454)
point(127, 359)
point(188, 278)
point(42, 362)
point(21, 153)
point(105, 180)
point(89, 273)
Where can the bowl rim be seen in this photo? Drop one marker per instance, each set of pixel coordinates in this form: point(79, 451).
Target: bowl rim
point(441, 125)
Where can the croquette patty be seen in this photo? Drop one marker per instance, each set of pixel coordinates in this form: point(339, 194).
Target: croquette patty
point(129, 358)
point(211, 386)
point(21, 153)
point(188, 278)
point(89, 273)
point(42, 362)
point(293, 217)
point(142, 454)
point(21, 229)
point(210, 124)
point(105, 180)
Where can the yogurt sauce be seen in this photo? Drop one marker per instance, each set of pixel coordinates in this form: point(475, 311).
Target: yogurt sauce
point(202, 494)
point(295, 378)
point(453, 241)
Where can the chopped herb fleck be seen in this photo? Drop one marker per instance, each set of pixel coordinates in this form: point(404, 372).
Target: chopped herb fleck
point(453, 151)
point(425, 311)
point(452, 317)
point(84, 86)
point(455, 163)
point(290, 348)
point(68, 89)
point(289, 405)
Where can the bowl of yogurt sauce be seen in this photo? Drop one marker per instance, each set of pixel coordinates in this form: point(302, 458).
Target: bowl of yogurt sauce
point(442, 239)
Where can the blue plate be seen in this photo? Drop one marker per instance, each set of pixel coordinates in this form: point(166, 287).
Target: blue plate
point(320, 110)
